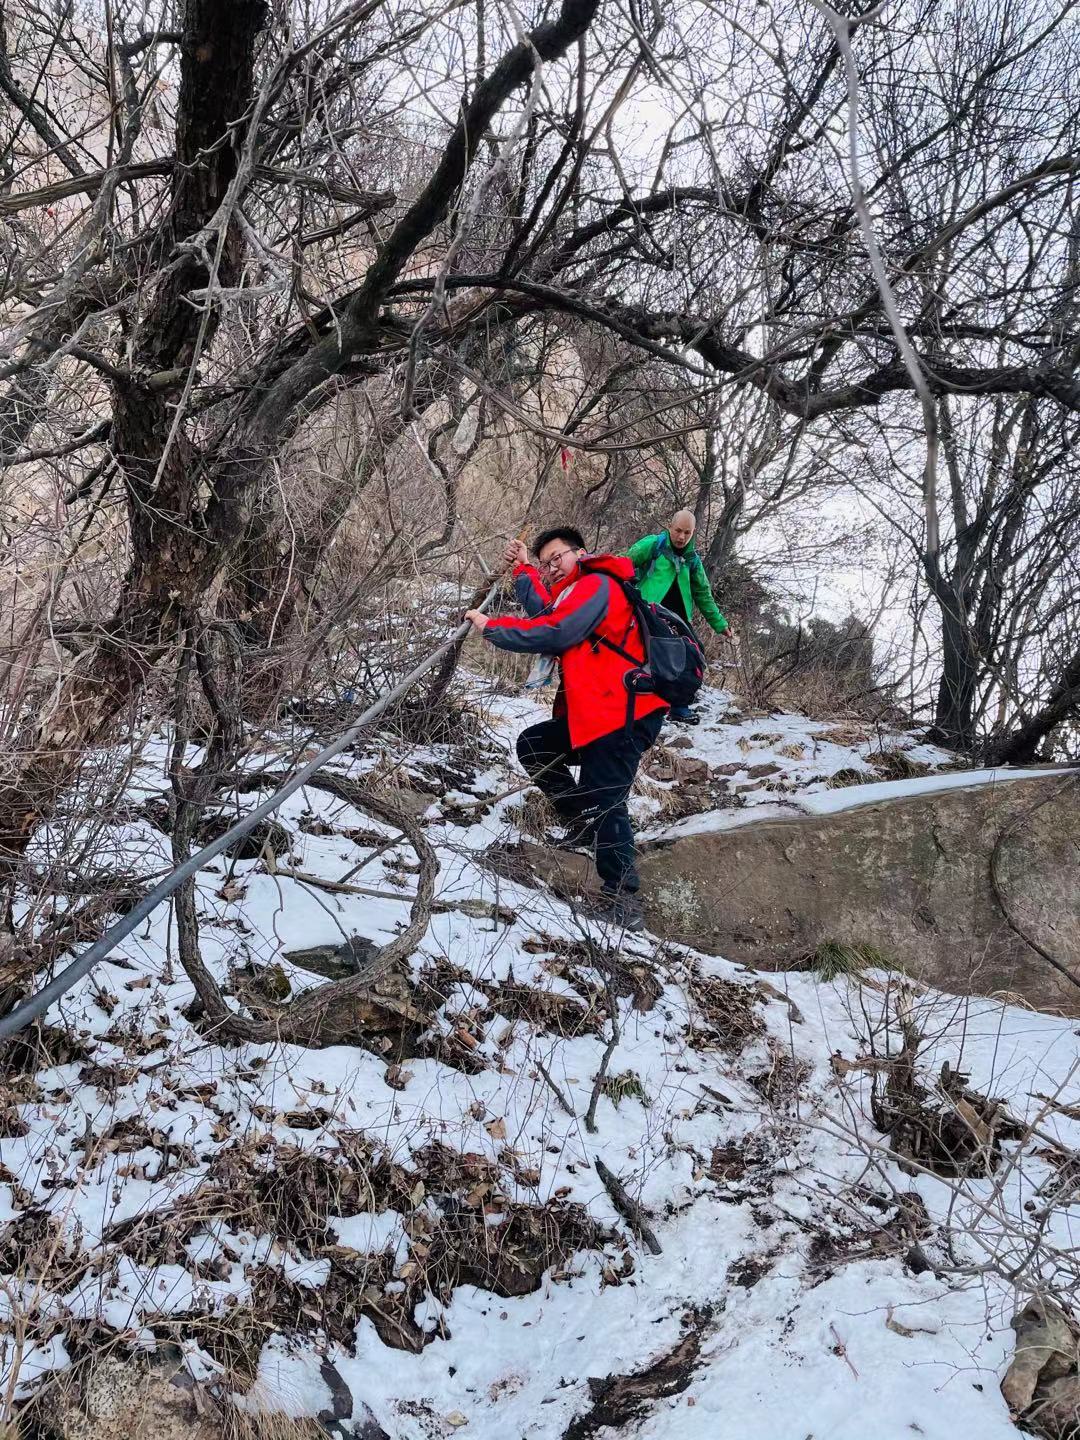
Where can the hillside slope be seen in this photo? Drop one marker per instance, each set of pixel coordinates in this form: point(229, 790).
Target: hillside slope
point(412, 1232)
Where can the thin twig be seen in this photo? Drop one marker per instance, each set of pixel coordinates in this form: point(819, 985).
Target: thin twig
point(841, 1350)
point(555, 1089)
point(337, 887)
point(842, 27)
point(608, 972)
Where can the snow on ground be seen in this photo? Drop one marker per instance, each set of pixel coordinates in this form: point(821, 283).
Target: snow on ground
point(831, 802)
point(419, 1217)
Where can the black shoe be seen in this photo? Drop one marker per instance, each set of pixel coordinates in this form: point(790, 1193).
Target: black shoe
point(623, 910)
point(683, 715)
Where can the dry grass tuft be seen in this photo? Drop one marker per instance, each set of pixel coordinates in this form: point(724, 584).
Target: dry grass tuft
point(834, 958)
point(897, 764)
point(238, 1425)
point(843, 778)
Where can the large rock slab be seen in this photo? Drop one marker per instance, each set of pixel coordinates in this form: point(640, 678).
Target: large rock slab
point(910, 875)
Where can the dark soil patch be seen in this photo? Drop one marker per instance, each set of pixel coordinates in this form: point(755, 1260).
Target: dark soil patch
point(781, 1084)
point(748, 1271)
point(745, 1169)
point(618, 1400)
point(728, 1163)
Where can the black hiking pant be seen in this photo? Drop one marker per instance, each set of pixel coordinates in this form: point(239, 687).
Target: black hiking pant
point(598, 797)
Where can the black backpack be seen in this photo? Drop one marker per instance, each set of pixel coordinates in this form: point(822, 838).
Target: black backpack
point(674, 663)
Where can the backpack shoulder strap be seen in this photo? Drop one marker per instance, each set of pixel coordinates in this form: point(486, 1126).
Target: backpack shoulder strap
point(618, 649)
point(657, 548)
point(638, 612)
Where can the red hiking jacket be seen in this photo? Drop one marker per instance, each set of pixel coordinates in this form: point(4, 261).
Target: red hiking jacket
point(567, 621)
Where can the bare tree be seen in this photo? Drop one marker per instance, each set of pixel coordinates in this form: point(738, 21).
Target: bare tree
point(191, 482)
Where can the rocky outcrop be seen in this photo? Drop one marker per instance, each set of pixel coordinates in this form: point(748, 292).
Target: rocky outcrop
point(946, 883)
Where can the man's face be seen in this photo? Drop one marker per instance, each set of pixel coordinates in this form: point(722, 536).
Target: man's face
point(557, 560)
point(681, 532)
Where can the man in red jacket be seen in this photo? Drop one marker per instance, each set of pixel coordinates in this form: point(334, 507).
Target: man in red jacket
point(578, 616)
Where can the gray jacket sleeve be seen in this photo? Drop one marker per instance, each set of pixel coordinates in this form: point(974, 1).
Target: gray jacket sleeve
point(555, 630)
point(531, 600)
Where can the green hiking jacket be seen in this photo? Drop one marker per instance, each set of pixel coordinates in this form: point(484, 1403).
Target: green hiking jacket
point(656, 565)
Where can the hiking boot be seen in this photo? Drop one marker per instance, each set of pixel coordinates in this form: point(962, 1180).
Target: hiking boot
point(683, 715)
point(623, 910)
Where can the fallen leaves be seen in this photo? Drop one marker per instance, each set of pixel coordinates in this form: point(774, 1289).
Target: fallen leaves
point(397, 1077)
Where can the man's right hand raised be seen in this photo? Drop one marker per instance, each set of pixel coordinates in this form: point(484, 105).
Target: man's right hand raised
point(515, 554)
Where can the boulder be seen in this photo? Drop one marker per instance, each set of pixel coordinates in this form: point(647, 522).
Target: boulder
point(1056, 1414)
point(1045, 1351)
point(667, 764)
point(910, 875)
point(138, 1398)
point(334, 962)
point(1041, 1386)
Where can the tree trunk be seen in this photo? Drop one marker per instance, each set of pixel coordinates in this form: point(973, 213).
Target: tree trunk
point(171, 560)
point(954, 714)
point(721, 551)
point(179, 547)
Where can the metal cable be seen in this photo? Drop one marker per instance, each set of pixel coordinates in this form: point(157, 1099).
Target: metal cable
point(36, 1005)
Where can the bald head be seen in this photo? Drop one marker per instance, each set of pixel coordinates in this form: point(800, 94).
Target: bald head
point(681, 528)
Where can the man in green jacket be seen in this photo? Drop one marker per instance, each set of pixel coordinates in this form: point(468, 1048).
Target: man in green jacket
point(669, 570)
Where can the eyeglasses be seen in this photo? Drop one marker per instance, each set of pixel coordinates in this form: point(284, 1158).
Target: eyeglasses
point(553, 560)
